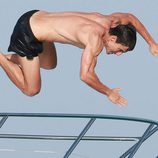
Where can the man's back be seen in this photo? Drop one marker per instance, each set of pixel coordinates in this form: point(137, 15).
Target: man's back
point(72, 28)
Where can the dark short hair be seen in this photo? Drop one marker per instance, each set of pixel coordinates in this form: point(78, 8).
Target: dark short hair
point(126, 35)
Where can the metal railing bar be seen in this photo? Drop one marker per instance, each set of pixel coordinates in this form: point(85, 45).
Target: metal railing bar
point(147, 136)
point(130, 152)
point(139, 143)
point(60, 115)
point(152, 132)
point(3, 120)
point(60, 137)
point(73, 146)
point(135, 147)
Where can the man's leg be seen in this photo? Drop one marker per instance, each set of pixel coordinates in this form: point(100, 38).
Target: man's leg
point(48, 58)
point(24, 73)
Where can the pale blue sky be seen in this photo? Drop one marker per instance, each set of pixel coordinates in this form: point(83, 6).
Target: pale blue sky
point(63, 92)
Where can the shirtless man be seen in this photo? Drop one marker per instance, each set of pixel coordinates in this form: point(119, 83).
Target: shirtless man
point(34, 34)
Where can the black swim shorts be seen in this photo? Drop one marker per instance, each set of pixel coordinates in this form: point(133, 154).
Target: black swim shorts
point(23, 41)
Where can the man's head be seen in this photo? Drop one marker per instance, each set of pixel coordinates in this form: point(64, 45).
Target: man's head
point(121, 39)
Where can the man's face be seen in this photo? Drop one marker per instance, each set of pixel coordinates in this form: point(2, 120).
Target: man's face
point(115, 48)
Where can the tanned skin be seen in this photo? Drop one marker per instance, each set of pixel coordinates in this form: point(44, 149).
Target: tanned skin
point(89, 31)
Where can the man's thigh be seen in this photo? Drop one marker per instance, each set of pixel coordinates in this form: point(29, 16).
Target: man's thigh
point(31, 71)
point(48, 58)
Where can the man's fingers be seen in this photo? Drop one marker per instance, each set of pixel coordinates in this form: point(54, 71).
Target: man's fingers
point(121, 101)
point(116, 98)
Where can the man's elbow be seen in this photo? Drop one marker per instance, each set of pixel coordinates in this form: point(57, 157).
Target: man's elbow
point(84, 78)
point(130, 16)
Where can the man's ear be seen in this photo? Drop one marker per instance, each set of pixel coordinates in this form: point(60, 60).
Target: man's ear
point(113, 38)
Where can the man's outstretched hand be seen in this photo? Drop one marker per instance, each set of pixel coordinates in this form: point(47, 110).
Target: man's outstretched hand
point(115, 97)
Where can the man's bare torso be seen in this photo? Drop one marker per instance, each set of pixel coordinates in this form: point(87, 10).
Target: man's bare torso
point(67, 27)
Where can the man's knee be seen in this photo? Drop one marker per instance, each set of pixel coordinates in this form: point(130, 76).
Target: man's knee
point(32, 91)
point(54, 65)
point(50, 66)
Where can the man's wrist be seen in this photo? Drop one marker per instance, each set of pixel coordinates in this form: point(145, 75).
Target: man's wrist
point(152, 43)
point(108, 91)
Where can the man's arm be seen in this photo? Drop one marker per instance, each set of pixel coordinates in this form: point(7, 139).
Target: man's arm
point(88, 75)
point(127, 18)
